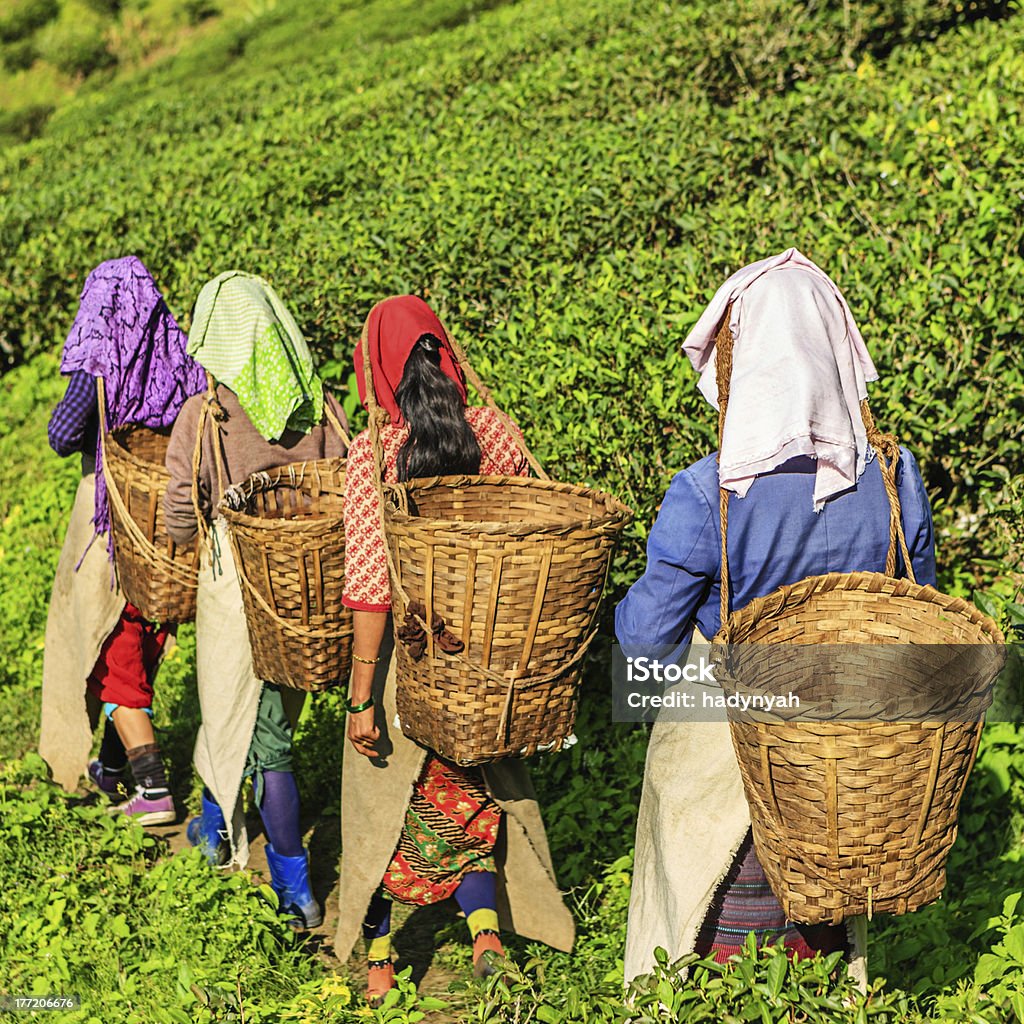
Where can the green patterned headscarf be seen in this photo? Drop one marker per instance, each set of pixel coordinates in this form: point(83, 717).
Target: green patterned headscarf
point(242, 333)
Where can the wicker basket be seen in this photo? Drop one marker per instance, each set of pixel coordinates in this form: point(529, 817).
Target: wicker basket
point(156, 575)
point(515, 567)
point(853, 817)
point(502, 578)
point(289, 546)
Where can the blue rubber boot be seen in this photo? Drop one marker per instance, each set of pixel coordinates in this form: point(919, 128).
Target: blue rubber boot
point(289, 878)
point(210, 832)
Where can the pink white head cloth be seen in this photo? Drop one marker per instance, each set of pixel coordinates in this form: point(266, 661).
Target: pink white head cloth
point(800, 368)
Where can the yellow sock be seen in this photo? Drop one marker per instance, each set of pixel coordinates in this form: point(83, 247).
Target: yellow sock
point(484, 919)
point(380, 949)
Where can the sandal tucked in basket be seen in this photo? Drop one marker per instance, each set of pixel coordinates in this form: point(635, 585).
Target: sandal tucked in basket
point(288, 540)
point(156, 575)
point(496, 584)
point(855, 816)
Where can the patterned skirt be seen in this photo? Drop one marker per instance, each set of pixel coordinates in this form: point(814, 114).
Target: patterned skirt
point(451, 826)
point(745, 903)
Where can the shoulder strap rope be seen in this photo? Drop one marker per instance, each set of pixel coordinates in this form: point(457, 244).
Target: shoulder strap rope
point(211, 410)
point(336, 423)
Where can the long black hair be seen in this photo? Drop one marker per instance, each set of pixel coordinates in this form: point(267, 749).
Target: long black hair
point(440, 440)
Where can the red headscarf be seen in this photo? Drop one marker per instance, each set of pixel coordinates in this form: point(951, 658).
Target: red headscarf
point(391, 331)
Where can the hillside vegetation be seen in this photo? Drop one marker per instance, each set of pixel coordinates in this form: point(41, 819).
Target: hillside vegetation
point(567, 184)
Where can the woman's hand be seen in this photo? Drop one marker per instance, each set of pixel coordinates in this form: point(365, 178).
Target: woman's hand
point(362, 733)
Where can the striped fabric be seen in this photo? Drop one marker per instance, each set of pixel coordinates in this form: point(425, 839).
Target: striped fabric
point(243, 334)
point(450, 829)
point(745, 903)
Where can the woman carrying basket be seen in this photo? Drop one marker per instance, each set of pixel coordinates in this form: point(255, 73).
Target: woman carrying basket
point(795, 449)
point(99, 650)
point(267, 410)
point(414, 827)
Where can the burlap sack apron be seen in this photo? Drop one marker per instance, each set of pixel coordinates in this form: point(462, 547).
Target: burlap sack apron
point(229, 691)
point(693, 817)
point(85, 605)
point(374, 798)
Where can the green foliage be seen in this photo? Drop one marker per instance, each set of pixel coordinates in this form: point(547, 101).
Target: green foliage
point(75, 43)
point(108, 8)
point(35, 500)
point(567, 184)
point(563, 185)
point(18, 55)
point(200, 10)
point(143, 940)
point(21, 18)
point(25, 123)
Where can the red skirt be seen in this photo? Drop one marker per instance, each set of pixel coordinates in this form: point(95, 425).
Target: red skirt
point(451, 826)
point(127, 663)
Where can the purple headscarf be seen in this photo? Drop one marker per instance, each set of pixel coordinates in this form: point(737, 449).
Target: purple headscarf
point(125, 334)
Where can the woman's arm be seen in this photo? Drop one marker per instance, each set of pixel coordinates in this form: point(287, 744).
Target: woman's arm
point(179, 511)
point(917, 520)
point(368, 632)
point(70, 418)
point(682, 563)
point(367, 589)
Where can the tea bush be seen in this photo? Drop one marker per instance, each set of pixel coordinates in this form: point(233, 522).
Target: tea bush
point(569, 188)
point(568, 184)
point(22, 17)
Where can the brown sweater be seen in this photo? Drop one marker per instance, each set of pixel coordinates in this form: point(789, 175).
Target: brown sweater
point(244, 452)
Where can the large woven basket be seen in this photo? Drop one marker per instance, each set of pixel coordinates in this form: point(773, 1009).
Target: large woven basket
point(289, 545)
point(156, 575)
point(515, 567)
point(851, 817)
point(503, 578)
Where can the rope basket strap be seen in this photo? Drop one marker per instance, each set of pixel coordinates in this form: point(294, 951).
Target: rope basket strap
point(172, 567)
point(886, 447)
point(210, 410)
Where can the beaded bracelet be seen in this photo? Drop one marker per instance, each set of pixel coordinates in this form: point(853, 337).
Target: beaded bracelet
point(354, 709)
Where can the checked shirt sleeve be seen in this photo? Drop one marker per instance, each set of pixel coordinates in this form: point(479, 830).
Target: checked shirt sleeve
point(70, 419)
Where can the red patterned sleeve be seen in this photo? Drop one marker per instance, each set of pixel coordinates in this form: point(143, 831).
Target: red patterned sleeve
point(500, 454)
point(367, 586)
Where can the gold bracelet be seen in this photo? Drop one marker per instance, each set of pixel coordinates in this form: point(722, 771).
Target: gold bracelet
point(365, 661)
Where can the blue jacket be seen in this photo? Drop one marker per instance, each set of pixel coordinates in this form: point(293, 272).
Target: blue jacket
point(774, 538)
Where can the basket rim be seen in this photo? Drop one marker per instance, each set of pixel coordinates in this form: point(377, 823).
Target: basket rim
point(248, 521)
point(774, 604)
point(618, 515)
point(258, 485)
point(120, 452)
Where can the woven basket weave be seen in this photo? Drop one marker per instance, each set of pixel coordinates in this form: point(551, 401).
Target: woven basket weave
point(156, 575)
point(853, 817)
point(289, 545)
point(514, 569)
